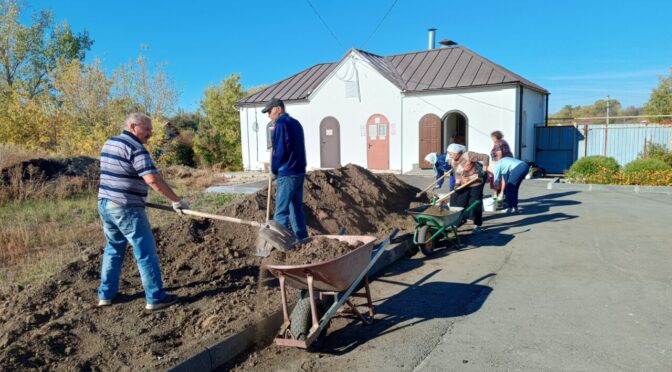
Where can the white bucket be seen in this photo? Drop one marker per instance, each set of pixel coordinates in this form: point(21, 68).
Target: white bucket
point(489, 204)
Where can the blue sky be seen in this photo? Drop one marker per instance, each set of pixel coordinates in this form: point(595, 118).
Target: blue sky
point(579, 50)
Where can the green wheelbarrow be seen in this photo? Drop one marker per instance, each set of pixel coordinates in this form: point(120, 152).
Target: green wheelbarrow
point(434, 223)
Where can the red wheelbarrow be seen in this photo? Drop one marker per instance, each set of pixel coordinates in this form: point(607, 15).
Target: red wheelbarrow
point(329, 286)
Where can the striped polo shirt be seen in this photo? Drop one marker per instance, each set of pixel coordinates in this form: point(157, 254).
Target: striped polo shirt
point(123, 162)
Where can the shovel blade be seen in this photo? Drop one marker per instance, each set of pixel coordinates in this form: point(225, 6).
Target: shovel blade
point(273, 236)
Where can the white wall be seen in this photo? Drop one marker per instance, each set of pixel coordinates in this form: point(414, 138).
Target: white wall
point(377, 95)
point(253, 142)
point(486, 109)
point(534, 107)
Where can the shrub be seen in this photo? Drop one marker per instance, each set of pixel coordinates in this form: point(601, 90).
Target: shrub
point(658, 151)
point(648, 164)
point(593, 169)
point(644, 178)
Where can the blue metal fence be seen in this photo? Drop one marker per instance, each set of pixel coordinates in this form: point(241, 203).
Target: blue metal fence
point(557, 147)
point(624, 142)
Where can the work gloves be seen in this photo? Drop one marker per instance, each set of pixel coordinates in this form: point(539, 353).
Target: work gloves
point(178, 206)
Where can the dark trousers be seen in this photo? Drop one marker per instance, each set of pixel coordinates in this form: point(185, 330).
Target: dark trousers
point(464, 197)
point(511, 190)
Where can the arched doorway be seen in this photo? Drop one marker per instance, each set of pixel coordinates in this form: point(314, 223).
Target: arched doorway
point(454, 129)
point(430, 137)
point(330, 143)
point(377, 142)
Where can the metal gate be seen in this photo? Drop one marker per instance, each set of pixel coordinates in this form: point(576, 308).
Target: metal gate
point(556, 147)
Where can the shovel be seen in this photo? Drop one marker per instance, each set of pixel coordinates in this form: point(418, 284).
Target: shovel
point(443, 198)
point(271, 235)
point(446, 174)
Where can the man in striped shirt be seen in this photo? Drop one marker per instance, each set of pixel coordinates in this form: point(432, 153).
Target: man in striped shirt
point(126, 171)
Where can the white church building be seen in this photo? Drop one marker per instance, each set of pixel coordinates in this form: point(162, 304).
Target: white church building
point(388, 112)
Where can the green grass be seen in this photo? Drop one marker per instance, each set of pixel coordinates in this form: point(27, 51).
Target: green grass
point(75, 210)
point(36, 235)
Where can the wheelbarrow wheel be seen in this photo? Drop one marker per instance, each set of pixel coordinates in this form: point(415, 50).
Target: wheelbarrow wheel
point(301, 320)
point(426, 245)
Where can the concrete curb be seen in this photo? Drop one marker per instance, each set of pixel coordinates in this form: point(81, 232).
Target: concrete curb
point(555, 185)
point(263, 332)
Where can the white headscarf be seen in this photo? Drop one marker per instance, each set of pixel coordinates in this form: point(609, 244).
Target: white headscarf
point(431, 158)
point(457, 148)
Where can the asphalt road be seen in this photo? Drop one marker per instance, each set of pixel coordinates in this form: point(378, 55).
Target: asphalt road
point(580, 281)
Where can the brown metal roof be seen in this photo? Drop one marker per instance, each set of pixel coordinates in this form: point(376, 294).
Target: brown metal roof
point(452, 67)
point(295, 87)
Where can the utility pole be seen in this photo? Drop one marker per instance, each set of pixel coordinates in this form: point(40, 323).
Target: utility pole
point(606, 128)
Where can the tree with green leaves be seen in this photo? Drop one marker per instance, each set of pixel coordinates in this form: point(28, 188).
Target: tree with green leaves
point(660, 101)
point(29, 52)
point(218, 140)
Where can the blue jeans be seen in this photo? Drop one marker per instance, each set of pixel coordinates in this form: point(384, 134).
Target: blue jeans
point(513, 184)
point(122, 225)
point(289, 204)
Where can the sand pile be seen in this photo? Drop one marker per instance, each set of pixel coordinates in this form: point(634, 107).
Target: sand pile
point(54, 325)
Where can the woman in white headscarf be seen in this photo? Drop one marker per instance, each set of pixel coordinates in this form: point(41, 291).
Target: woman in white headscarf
point(467, 164)
point(441, 165)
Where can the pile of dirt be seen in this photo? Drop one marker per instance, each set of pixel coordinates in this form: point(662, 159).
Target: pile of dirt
point(55, 325)
point(51, 169)
point(316, 250)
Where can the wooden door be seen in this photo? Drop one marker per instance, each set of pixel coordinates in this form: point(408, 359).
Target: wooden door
point(378, 142)
point(330, 143)
point(430, 138)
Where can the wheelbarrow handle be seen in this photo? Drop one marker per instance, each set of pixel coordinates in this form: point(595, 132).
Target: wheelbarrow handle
point(344, 297)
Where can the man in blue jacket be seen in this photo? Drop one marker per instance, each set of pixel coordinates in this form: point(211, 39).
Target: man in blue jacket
point(288, 165)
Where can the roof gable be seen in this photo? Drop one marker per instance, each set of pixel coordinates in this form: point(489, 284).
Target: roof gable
point(446, 68)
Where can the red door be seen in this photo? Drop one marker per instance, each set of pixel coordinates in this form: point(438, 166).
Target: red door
point(378, 142)
point(430, 137)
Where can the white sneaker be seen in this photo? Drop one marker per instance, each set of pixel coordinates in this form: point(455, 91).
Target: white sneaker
point(476, 229)
point(102, 303)
point(508, 211)
point(514, 210)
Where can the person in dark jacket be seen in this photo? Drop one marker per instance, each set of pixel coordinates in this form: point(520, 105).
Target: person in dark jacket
point(441, 165)
point(288, 165)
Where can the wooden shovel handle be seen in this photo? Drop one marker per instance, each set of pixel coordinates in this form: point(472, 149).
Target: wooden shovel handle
point(459, 188)
point(268, 198)
point(205, 215)
point(435, 182)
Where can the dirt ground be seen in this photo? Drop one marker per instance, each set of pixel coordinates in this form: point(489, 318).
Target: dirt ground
point(55, 324)
point(317, 250)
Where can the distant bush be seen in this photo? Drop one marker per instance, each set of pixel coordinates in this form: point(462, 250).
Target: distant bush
point(658, 151)
point(593, 169)
point(644, 178)
point(648, 164)
point(605, 170)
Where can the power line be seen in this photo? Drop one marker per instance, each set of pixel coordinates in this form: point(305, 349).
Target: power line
point(325, 23)
point(380, 23)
